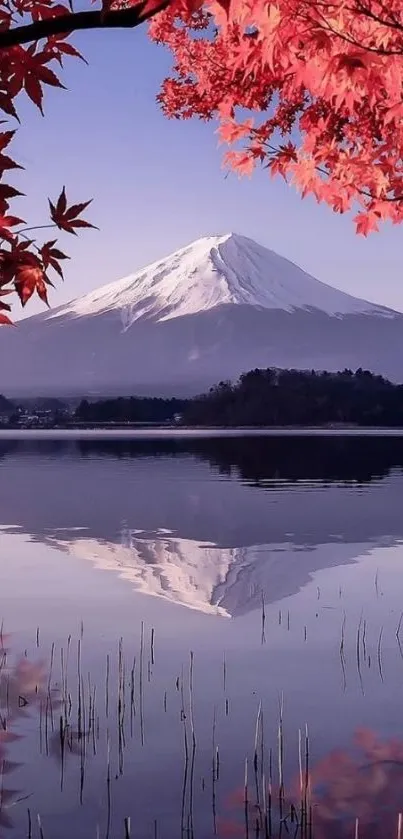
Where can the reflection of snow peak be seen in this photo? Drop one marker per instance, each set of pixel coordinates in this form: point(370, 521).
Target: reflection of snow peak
point(215, 580)
point(176, 569)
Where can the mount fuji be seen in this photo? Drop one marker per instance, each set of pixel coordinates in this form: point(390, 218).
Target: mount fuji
point(210, 311)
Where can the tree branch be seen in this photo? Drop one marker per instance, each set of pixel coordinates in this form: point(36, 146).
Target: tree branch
point(64, 24)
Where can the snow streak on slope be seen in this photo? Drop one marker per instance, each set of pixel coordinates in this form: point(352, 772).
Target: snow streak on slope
point(211, 272)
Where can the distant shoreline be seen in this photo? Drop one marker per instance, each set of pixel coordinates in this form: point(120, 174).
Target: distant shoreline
point(163, 432)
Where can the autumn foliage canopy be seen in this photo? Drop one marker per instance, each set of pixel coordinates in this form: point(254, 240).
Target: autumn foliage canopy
point(312, 90)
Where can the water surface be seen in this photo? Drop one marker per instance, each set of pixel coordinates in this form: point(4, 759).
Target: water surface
point(182, 593)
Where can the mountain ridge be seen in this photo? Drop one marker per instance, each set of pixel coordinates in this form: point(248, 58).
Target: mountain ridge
point(215, 270)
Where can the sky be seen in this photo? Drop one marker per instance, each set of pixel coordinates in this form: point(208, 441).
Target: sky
point(158, 184)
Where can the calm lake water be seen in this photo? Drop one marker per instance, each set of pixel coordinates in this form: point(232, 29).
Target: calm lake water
point(180, 613)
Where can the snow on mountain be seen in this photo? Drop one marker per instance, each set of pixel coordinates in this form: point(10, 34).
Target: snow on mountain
point(211, 311)
point(211, 272)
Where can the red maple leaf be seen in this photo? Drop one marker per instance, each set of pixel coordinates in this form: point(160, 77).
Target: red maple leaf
point(29, 72)
point(366, 222)
point(5, 223)
point(28, 279)
point(51, 256)
point(64, 217)
point(5, 307)
point(57, 47)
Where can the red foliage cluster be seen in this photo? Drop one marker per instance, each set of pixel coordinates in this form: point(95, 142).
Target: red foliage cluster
point(359, 790)
point(351, 792)
point(322, 80)
point(23, 687)
point(25, 264)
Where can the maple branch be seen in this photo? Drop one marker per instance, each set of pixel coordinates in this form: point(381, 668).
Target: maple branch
point(274, 150)
point(391, 22)
point(350, 39)
point(75, 21)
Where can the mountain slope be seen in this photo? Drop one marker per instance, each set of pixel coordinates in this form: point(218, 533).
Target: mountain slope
point(210, 311)
point(216, 271)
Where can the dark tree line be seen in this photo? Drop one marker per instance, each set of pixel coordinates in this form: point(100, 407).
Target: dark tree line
point(6, 407)
point(266, 398)
point(134, 409)
point(295, 398)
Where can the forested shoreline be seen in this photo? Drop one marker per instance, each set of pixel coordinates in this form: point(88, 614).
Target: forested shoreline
point(269, 398)
point(259, 399)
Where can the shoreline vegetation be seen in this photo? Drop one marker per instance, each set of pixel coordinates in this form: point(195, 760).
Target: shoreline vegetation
point(303, 798)
point(261, 399)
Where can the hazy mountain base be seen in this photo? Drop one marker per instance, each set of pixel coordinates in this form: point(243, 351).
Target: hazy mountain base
point(189, 354)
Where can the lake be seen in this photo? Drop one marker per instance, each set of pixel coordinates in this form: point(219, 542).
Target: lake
point(201, 636)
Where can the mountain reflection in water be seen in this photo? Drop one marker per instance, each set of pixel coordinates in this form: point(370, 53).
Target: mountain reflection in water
point(212, 524)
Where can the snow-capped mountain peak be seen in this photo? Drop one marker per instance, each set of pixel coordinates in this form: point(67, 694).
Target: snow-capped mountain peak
point(206, 313)
point(216, 271)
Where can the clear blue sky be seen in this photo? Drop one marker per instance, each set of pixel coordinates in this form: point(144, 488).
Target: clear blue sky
point(158, 184)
